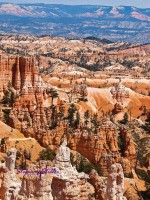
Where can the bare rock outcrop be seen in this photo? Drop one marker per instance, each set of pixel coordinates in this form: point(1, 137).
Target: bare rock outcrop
point(14, 183)
point(68, 184)
point(65, 184)
point(4, 183)
point(10, 162)
point(99, 184)
point(115, 183)
point(35, 188)
point(9, 184)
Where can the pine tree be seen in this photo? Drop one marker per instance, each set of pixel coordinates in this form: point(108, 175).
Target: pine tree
point(71, 114)
point(2, 141)
point(47, 154)
point(95, 120)
point(53, 94)
point(23, 165)
point(6, 97)
point(9, 97)
point(77, 121)
point(86, 117)
point(125, 119)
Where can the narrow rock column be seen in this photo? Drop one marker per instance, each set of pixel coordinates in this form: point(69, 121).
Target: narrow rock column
point(115, 183)
point(10, 162)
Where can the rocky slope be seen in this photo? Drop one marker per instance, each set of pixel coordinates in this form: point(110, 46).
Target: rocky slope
point(50, 104)
point(57, 54)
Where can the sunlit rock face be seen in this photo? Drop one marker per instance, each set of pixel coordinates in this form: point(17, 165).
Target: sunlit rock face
point(99, 184)
point(68, 184)
point(115, 183)
point(22, 76)
point(21, 73)
point(103, 149)
point(119, 93)
point(10, 161)
point(14, 70)
point(4, 183)
point(9, 186)
point(63, 158)
point(35, 188)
